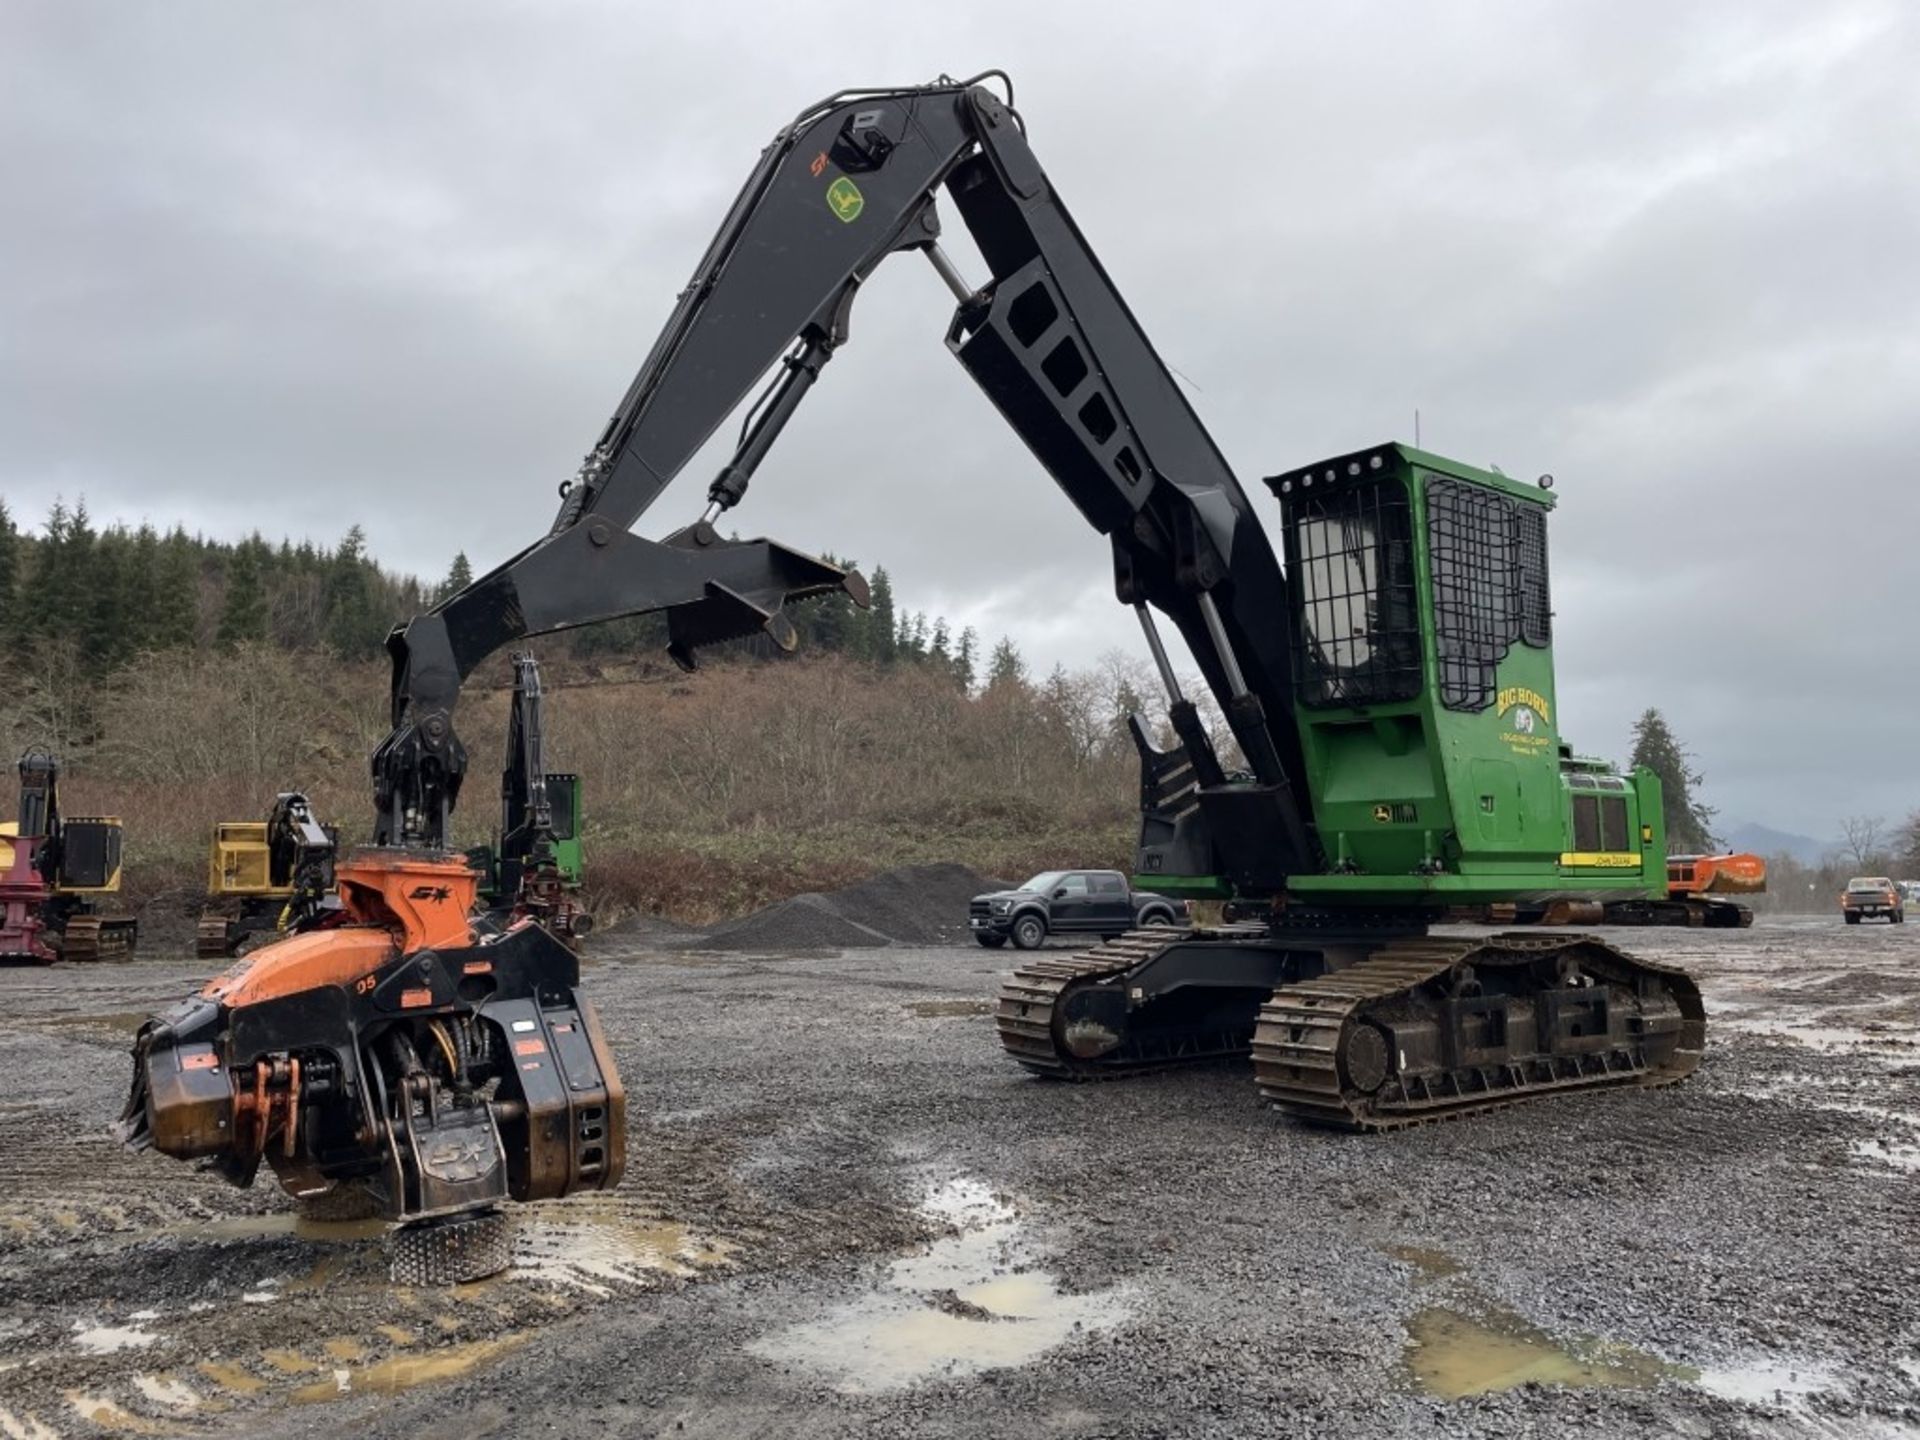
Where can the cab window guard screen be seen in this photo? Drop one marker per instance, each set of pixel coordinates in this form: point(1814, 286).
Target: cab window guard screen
point(1356, 626)
point(1488, 553)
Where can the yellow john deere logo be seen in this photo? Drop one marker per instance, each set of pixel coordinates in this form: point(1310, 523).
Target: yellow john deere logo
point(845, 200)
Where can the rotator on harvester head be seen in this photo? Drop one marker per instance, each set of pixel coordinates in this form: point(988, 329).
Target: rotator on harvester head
point(1389, 691)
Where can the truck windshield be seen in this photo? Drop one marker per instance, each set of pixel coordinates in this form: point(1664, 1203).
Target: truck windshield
point(1045, 880)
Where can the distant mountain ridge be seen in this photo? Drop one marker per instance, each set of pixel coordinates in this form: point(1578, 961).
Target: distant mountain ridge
point(1765, 840)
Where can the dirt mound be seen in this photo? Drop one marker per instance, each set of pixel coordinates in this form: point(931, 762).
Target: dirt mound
point(908, 905)
point(915, 904)
point(805, 922)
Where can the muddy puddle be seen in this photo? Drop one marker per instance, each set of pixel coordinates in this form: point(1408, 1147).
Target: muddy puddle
point(121, 1021)
point(1475, 1348)
point(1892, 1155)
point(971, 1301)
point(1855, 1029)
point(1429, 1266)
point(135, 1371)
point(112, 1339)
point(1765, 1380)
point(595, 1244)
point(406, 1372)
point(1471, 1347)
point(949, 1009)
point(261, 1227)
point(1452, 1354)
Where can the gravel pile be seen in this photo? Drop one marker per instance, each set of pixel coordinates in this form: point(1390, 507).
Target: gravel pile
point(907, 905)
point(805, 922)
point(915, 904)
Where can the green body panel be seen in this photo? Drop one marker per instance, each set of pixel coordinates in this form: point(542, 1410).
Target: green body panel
point(563, 794)
point(1416, 802)
point(1184, 887)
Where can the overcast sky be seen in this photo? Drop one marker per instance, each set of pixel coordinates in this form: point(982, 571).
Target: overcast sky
point(294, 269)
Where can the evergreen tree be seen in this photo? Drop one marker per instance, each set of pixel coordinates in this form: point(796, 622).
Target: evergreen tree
point(882, 641)
point(1127, 701)
point(103, 618)
point(354, 624)
point(243, 610)
point(963, 662)
point(1005, 667)
point(76, 605)
point(141, 591)
point(458, 578)
point(828, 624)
point(175, 623)
point(939, 649)
point(54, 583)
point(10, 550)
point(1689, 822)
point(911, 644)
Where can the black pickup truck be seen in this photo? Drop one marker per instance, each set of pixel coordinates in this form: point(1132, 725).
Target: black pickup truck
point(1067, 902)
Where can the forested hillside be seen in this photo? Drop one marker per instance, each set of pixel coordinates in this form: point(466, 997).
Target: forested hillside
point(186, 680)
point(109, 594)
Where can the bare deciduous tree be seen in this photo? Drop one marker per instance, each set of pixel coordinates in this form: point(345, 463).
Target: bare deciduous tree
point(1864, 839)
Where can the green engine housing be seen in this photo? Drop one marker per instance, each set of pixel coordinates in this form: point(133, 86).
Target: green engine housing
point(1424, 696)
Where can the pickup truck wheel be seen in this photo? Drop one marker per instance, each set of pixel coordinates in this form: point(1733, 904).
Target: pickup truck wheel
point(1157, 918)
point(1029, 931)
point(1853, 919)
point(991, 942)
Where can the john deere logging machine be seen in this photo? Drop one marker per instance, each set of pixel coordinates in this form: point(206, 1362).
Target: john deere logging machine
point(1389, 689)
point(534, 865)
point(57, 872)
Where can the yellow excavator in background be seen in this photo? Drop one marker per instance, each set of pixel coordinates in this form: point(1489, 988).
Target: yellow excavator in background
point(266, 877)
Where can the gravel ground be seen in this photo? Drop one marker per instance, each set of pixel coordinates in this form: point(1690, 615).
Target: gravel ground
point(845, 1214)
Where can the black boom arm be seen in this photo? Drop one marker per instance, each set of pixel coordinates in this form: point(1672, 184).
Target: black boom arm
point(850, 181)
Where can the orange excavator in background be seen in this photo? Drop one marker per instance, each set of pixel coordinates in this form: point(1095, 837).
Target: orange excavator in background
point(1697, 891)
point(1692, 877)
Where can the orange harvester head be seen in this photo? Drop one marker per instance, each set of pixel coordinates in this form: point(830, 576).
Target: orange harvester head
point(397, 902)
point(426, 897)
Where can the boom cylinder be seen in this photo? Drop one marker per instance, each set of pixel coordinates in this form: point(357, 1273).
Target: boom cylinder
point(802, 370)
point(1167, 677)
point(1217, 632)
point(950, 273)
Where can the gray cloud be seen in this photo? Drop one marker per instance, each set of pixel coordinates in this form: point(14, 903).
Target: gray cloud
point(292, 270)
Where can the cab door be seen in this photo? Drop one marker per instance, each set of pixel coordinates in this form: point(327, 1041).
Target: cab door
point(1072, 903)
point(1112, 907)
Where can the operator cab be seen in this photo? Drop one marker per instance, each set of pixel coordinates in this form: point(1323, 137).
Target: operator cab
point(1422, 633)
